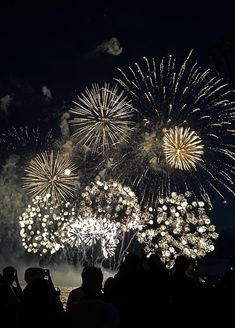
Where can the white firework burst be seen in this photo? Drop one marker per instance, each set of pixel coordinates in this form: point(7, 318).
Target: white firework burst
point(44, 225)
point(108, 218)
point(178, 227)
point(91, 231)
point(102, 118)
point(111, 201)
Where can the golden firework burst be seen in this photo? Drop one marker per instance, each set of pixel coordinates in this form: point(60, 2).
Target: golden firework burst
point(183, 148)
point(50, 173)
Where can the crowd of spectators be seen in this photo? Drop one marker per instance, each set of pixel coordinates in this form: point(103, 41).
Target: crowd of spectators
point(136, 296)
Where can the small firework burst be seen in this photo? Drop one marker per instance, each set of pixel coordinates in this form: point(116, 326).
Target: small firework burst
point(178, 227)
point(183, 148)
point(91, 232)
point(44, 225)
point(102, 118)
point(26, 138)
point(50, 173)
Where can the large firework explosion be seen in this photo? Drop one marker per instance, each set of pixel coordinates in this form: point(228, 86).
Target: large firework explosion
point(108, 214)
point(173, 134)
point(51, 173)
point(112, 201)
point(184, 136)
point(101, 118)
point(44, 225)
point(179, 226)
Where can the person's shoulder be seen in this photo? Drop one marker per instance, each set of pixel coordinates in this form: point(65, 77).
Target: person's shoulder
point(76, 291)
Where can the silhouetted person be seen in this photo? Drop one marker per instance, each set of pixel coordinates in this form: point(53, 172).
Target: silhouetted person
point(226, 293)
point(157, 293)
point(85, 305)
point(9, 304)
point(229, 275)
point(156, 265)
point(183, 291)
point(130, 298)
point(92, 279)
point(10, 274)
point(110, 290)
point(41, 304)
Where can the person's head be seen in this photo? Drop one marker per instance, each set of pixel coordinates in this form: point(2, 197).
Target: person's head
point(182, 263)
point(92, 280)
point(110, 287)
point(131, 265)
point(9, 273)
point(33, 274)
point(154, 261)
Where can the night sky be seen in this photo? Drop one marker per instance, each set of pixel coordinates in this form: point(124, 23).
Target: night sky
point(52, 50)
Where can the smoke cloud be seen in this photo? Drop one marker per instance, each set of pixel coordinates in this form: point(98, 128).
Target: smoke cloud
point(47, 93)
point(5, 103)
point(13, 202)
point(64, 126)
point(111, 47)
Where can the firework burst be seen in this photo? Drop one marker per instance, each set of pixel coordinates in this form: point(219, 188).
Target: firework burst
point(185, 131)
point(108, 217)
point(183, 148)
point(52, 174)
point(102, 118)
point(111, 201)
point(26, 138)
point(44, 225)
point(92, 232)
point(179, 226)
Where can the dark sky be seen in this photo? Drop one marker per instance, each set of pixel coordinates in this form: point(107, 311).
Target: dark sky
point(56, 43)
point(49, 42)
